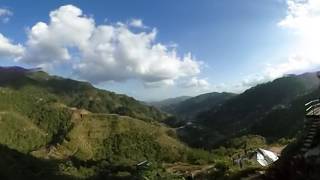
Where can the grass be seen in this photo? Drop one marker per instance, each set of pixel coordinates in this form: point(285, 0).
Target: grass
point(18, 132)
point(100, 137)
point(36, 120)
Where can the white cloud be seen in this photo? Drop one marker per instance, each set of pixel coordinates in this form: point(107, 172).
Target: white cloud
point(108, 52)
point(296, 63)
point(162, 83)
point(194, 82)
point(5, 15)
point(303, 18)
point(118, 54)
point(137, 23)
point(48, 44)
point(8, 49)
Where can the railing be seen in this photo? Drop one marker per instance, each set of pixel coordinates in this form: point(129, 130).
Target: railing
point(311, 107)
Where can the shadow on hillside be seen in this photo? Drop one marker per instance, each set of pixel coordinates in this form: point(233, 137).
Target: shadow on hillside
point(107, 170)
point(15, 166)
point(15, 80)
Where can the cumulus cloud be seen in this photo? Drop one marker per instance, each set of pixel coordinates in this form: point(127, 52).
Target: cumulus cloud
point(48, 44)
point(296, 63)
point(197, 83)
point(5, 15)
point(303, 18)
point(162, 83)
point(118, 54)
point(107, 52)
point(137, 23)
point(8, 49)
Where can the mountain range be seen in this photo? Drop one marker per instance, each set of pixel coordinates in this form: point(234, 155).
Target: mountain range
point(57, 128)
point(274, 110)
point(188, 108)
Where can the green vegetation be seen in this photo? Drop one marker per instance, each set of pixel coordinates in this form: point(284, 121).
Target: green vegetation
point(278, 104)
point(112, 137)
point(76, 94)
point(24, 137)
point(56, 128)
point(189, 108)
point(70, 130)
point(30, 119)
point(168, 102)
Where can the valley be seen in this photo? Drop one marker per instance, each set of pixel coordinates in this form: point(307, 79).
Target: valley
point(77, 131)
point(160, 90)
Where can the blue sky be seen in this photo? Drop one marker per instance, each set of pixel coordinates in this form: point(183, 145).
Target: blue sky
point(233, 44)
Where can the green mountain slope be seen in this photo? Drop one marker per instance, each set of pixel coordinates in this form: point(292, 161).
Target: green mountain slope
point(168, 102)
point(112, 137)
point(56, 128)
point(92, 144)
point(189, 108)
point(285, 121)
point(264, 109)
point(75, 93)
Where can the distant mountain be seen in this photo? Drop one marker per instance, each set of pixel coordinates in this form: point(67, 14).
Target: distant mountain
point(273, 109)
point(189, 108)
point(168, 102)
point(16, 69)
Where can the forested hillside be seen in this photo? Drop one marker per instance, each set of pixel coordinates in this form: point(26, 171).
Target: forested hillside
point(189, 108)
point(74, 93)
point(56, 128)
point(273, 109)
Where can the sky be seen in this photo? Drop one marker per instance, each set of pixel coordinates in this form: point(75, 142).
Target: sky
point(153, 50)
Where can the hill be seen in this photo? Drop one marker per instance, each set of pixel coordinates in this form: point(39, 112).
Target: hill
point(189, 108)
point(74, 93)
point(168, 102)
point(57, 128)
point(94, 146)
point(277, 104)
